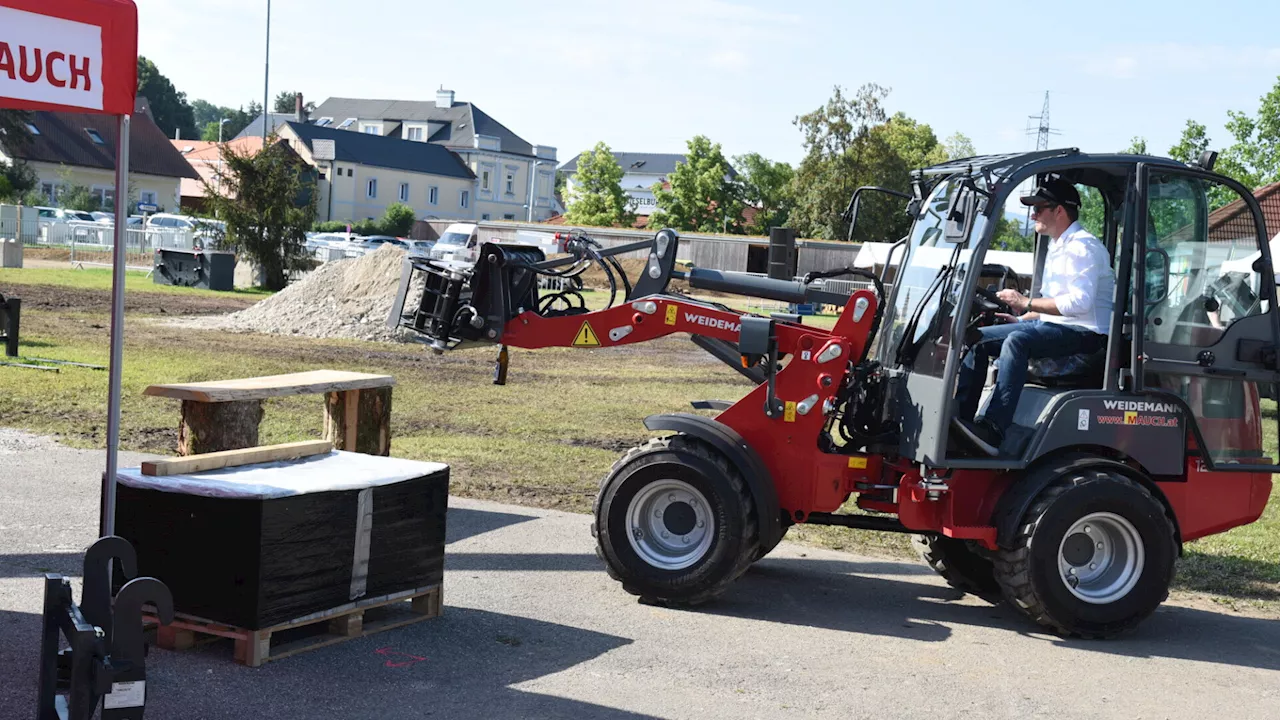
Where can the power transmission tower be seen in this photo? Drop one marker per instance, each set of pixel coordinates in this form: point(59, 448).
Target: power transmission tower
point(1043, 130)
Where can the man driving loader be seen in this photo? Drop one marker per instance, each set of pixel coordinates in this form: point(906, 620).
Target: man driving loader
point(1070, 317)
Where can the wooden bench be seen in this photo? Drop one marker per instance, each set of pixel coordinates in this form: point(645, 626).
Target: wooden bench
point(224, 414)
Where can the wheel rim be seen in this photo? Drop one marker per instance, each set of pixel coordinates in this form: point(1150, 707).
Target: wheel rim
point(1101, 558)
point(669, 524)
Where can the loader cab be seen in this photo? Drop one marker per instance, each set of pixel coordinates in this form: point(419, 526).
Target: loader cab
point(1191, 349)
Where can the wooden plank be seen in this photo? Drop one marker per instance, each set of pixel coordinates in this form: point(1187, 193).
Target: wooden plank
point(235, 458)
point(352, 423)
point(257, 388)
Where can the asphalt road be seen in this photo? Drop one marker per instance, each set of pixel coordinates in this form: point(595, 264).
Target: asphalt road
point(533, 628)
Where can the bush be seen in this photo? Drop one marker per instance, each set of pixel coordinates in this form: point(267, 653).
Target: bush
point(398, 221)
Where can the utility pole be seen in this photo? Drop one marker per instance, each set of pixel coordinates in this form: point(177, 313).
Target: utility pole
point(266, 77)
point(1042, 132)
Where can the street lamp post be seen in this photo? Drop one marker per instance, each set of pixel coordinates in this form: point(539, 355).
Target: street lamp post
point(266, 76)
point(221, 124)
point(533, 179)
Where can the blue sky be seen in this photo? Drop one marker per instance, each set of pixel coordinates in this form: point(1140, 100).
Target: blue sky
point(646, 76)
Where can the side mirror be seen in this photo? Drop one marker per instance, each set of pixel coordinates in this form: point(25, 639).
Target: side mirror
point(1157, 277)
point(959, 217)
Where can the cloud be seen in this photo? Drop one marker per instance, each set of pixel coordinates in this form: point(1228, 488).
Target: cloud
point(1130, 63)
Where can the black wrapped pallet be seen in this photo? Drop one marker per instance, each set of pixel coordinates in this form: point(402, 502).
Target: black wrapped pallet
point(211, 270)
point(261, 545)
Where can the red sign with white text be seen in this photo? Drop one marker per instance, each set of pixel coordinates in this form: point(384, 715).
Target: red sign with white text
point(76, 55)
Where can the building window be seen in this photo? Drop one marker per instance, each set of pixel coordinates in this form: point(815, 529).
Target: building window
point(51, 192)
point(414, 133)
point(147, 197)
point(484, 216)
point(464, 198)
point(371, 129)
point(106, 196)
point(433, 195)
point(484, 180)
point(351, 172)
point(346, 123)
point(372, 190)
point(94, 136)
point(511, 183)
point(324, 121)
point(508, 216)
point(404, 192)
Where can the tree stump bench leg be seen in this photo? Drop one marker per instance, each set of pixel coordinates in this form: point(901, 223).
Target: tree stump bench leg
point(215, 426)
point(359, 420)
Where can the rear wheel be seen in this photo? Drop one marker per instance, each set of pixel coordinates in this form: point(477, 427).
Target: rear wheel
point(960, 564)
point(674, 522)
point(1094, 555)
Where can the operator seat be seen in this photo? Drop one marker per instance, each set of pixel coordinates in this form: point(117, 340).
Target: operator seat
point(1082, 370)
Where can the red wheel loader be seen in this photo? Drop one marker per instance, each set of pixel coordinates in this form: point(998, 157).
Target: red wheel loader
point(1154, 440)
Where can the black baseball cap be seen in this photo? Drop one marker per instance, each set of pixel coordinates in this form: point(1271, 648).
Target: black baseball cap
point(1053, 192)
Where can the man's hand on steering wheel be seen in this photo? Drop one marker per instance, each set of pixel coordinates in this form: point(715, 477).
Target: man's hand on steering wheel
point(993, 301)
point(1017, 302)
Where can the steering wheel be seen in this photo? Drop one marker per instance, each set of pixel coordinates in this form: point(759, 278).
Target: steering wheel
point(989, 300)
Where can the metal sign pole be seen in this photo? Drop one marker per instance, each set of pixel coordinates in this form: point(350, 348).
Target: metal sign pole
point(107, 523)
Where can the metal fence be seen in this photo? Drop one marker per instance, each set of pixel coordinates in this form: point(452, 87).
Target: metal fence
point(93, 243)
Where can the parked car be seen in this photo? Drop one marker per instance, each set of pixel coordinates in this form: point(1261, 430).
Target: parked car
point(186, 230)
point(105, 218)
point(421, 248)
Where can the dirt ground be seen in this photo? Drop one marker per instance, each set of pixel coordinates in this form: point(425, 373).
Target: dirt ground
point(56, 297)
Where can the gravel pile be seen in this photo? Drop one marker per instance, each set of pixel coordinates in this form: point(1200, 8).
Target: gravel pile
point(341, 299)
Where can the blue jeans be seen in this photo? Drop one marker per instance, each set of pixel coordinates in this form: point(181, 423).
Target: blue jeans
point(1012, 344)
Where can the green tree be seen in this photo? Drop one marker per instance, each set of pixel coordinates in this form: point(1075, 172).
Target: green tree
point(1009, 237)
point(1137, 146)
point(260, 205)
point(595, 197)
point(766, 185)
point(851, 142)
point(958, 146)
point(169, 107)
point(1194, 141)
point(16, 180)
point(703, 195)
point(398, 220)
point(237, 121)
point(285, 102)
point(204, 112)
point(13, 128)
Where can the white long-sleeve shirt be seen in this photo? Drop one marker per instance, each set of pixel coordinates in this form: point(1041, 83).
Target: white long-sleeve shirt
point(1078, 276)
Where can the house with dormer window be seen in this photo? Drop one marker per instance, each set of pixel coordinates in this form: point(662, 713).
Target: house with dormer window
point(515, 179)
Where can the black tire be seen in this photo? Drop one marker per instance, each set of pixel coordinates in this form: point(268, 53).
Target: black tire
point(1029, 575)
point(734, 538)
point(960, 564)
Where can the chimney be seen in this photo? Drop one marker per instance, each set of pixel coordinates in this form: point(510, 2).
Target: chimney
point(444, 98)
point(177, 133)
point(298, 112)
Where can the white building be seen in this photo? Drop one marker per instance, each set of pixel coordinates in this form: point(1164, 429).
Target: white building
point(503, 162)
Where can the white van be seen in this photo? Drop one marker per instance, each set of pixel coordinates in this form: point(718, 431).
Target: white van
point(458, 243)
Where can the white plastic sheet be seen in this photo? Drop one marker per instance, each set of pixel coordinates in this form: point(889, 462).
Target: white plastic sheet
point(337, 470)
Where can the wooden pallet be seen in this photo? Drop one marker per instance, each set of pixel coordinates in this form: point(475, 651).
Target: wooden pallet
point(255, 647)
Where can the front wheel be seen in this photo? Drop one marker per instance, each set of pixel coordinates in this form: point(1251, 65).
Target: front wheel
point(674, 522)
point(1094, 555)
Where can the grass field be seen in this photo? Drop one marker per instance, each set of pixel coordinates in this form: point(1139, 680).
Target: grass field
point(544, 439)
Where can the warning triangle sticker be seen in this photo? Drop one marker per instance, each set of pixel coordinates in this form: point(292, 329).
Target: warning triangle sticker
point(586, 337)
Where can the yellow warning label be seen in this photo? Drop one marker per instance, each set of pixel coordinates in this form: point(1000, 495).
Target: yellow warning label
point(858, 463)
point(789, 412)
point(671, 314)
point(1130, 418)
point(586, 337)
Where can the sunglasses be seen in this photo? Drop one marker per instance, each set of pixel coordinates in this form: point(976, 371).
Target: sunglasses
point(1037, 209)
